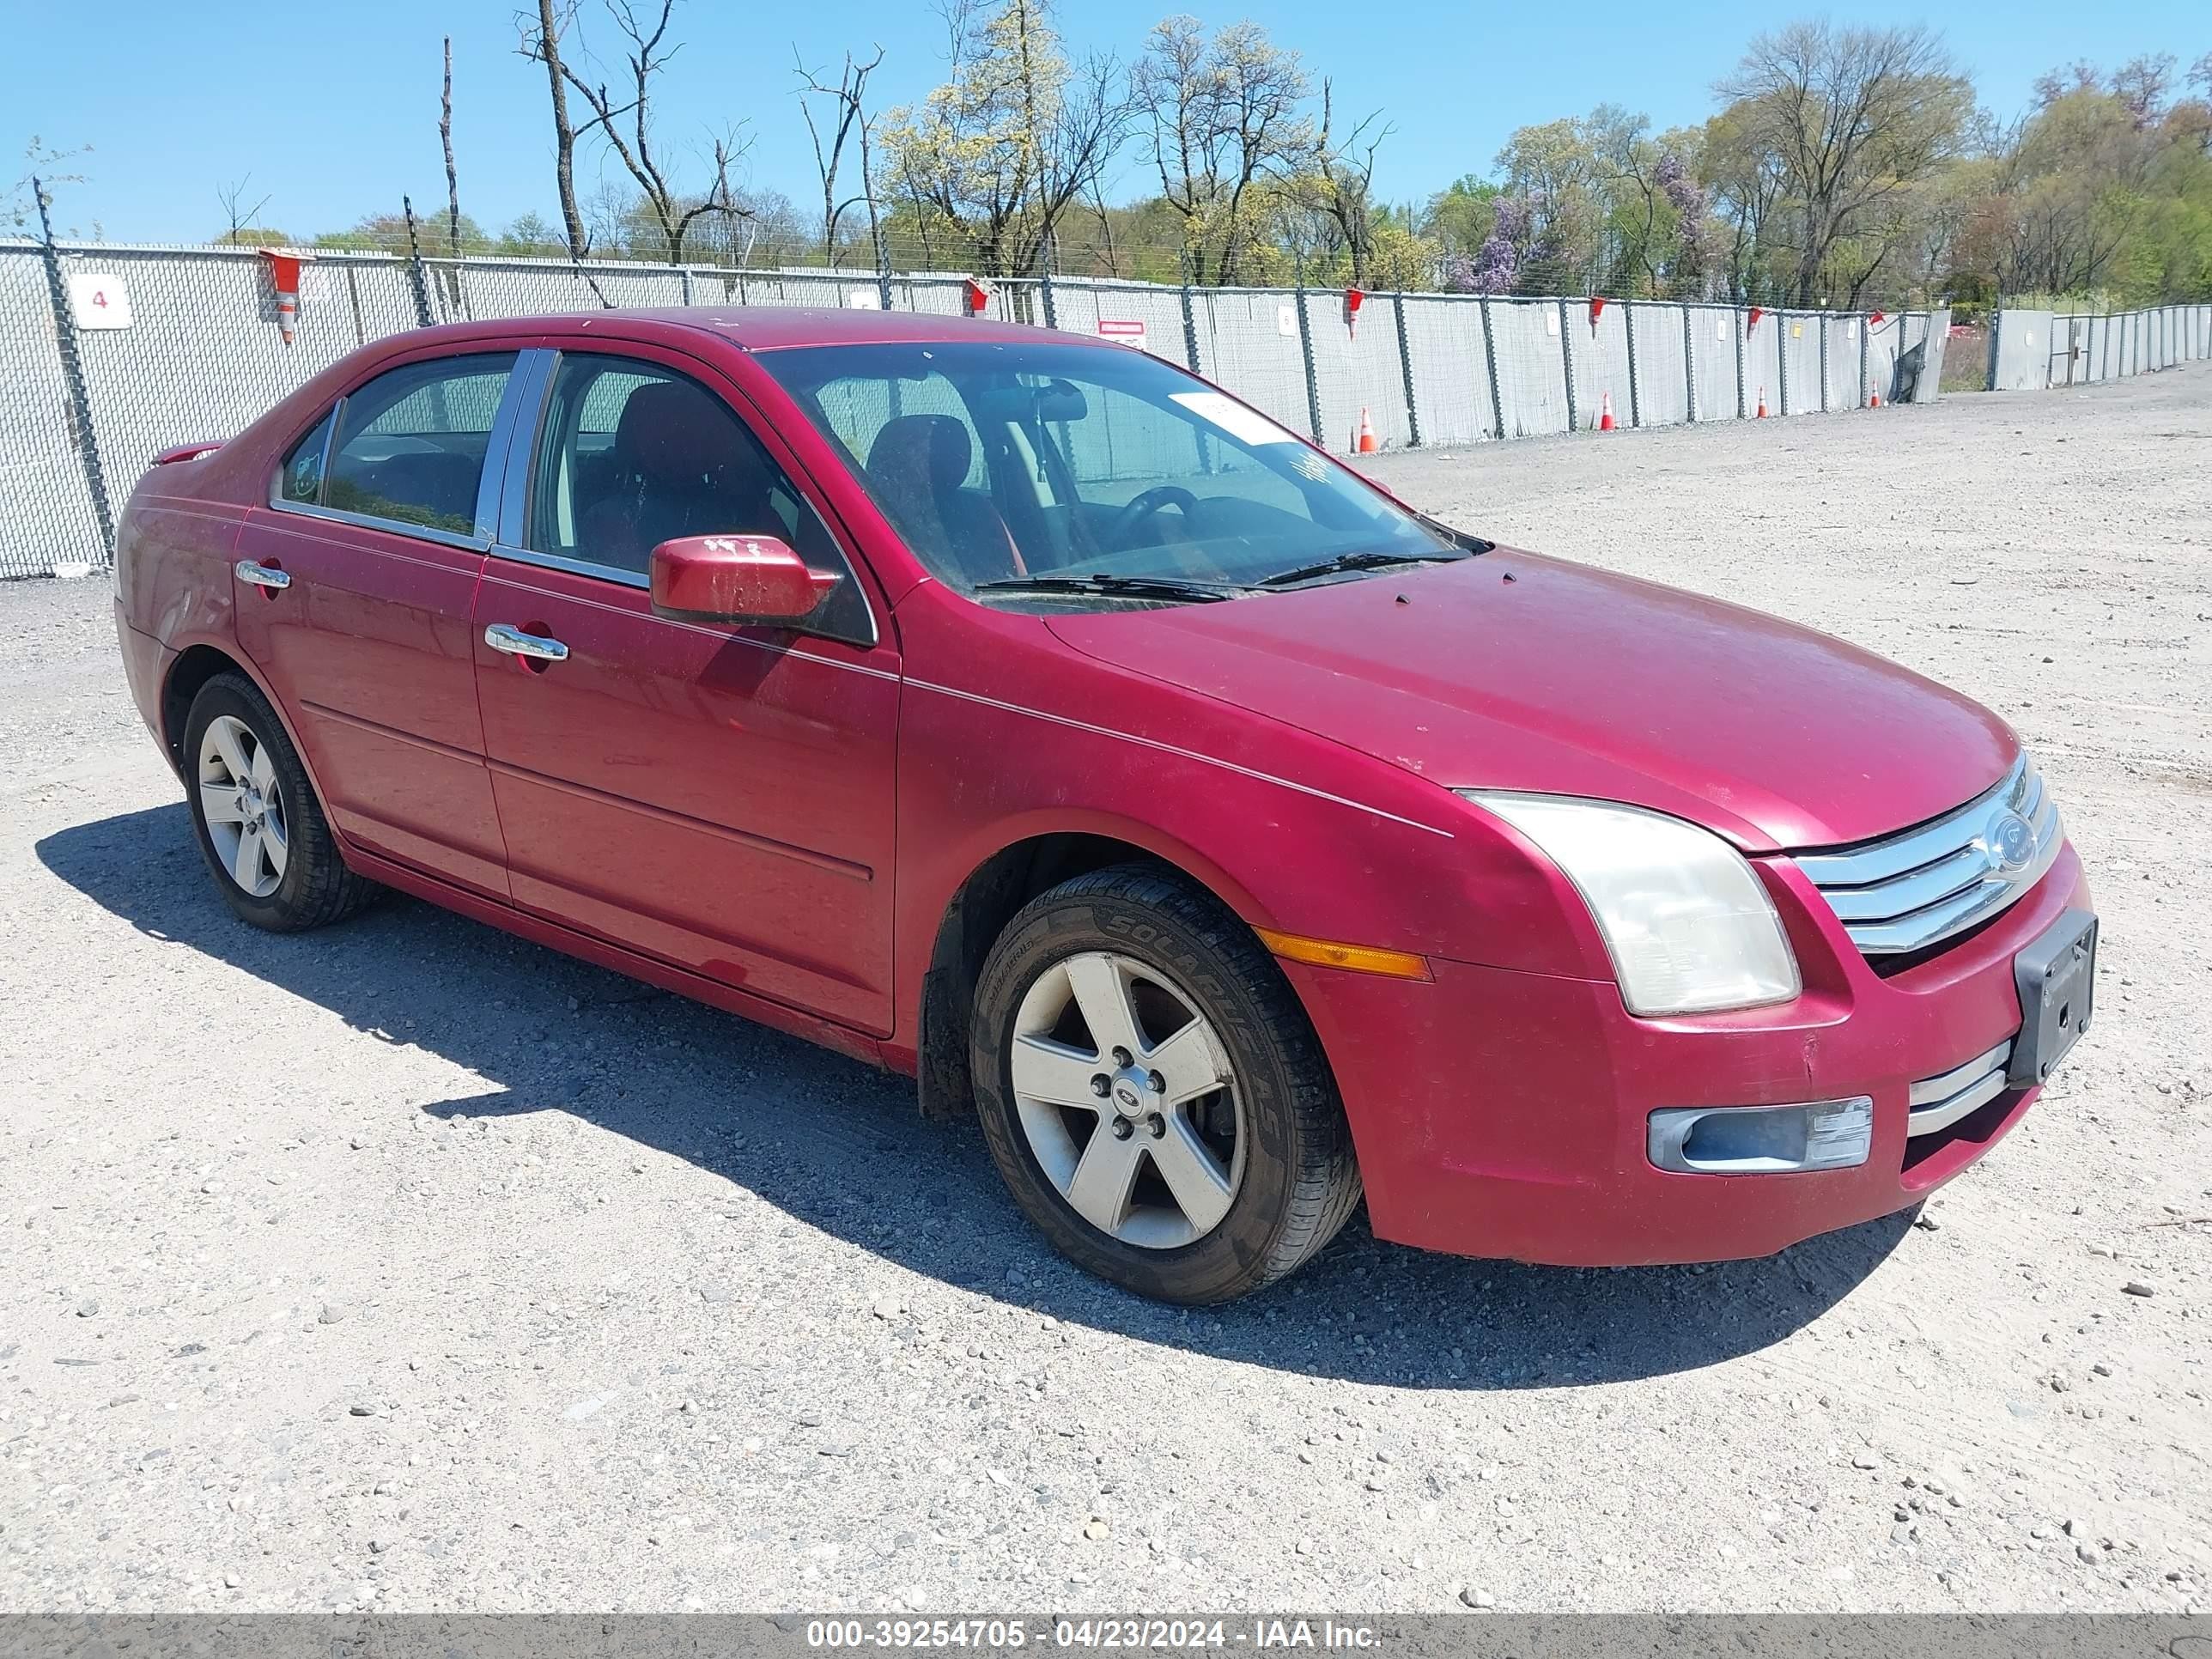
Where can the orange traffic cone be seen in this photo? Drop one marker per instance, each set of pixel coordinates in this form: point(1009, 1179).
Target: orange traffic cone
point(1366, 439)
point(1605, 413)
point(1762, 404)
point(1874, 399)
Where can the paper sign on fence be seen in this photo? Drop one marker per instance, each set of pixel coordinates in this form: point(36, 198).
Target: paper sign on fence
point(98, 300)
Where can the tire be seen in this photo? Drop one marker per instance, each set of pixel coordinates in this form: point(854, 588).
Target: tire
point(1164, 941)
point(298, 880)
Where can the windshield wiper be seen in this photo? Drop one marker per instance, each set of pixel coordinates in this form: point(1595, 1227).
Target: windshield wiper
point(1344, 561)
point(1107, 584)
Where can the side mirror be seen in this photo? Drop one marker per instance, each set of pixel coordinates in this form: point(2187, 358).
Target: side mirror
point(735, 579)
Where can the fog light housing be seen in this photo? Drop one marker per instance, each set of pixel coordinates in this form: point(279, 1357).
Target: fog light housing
point(1819, 1134)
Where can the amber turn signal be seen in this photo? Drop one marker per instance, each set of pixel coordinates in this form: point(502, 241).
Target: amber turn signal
point(1358, 959)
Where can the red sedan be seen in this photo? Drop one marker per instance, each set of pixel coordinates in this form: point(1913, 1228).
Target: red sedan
point(1023, 714)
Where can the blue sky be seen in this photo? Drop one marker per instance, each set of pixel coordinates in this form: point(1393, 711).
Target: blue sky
point(332, 108)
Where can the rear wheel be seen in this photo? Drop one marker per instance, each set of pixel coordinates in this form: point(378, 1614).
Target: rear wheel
point(261, 829)
point(1152, 1092)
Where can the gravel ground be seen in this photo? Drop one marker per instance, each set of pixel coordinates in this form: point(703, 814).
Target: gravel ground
point(407, 1266)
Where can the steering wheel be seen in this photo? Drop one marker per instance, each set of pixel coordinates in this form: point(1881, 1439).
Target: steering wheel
point(1143, 507)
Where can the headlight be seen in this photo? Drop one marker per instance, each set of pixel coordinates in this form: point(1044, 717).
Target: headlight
point(1688, 925)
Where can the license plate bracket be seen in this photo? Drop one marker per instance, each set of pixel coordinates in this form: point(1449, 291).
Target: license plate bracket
point(2056, 976)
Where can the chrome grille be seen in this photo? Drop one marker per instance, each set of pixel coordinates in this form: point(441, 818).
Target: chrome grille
point(1908, 891)
point(1938, 1103)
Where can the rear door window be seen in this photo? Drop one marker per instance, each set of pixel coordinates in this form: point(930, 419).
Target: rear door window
point(410, 444)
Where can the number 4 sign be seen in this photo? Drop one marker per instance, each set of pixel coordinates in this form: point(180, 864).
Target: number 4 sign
point(99, 301)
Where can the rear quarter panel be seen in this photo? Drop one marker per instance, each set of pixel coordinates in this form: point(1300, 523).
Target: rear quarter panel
point(173, 555)
point(172, 583)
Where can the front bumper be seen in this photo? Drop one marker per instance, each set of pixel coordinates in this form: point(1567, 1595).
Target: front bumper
point(1505, 1113)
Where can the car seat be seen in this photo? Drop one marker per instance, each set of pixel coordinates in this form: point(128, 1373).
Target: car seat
point(682, 466)
point(918, 463)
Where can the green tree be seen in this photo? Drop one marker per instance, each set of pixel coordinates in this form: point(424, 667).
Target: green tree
point(388, 232)
point(991, 161)
point(532, 235)
point(1459, 218)
point(1845, 122)
point(2103, 189)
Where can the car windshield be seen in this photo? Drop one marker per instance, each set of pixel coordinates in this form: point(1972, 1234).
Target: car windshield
point(1064, 476)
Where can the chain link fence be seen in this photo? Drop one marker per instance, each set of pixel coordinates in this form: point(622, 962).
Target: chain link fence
point(199, 354)
point(47, 521)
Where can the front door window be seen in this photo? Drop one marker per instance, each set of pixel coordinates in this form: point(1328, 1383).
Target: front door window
point(634, 455)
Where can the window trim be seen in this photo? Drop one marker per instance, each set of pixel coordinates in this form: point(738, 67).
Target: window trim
point(488, 481)
point(518, 459)
point(607, 572)
point(329, 421)
point(526, 436)
point(420, 533)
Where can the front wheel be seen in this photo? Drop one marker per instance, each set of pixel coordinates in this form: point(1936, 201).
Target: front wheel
point(1152, 1092)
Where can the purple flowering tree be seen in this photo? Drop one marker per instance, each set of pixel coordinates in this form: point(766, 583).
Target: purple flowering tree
point(1497, 263)
point(1692, 209)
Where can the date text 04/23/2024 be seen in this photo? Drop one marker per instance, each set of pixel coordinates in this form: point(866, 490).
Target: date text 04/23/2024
point(1104, 1633)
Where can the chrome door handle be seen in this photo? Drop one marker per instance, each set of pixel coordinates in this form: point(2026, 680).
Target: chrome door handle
point(260, 575)
point(504, 636)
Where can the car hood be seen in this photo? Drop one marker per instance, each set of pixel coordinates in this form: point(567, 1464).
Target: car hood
point(1515, 671)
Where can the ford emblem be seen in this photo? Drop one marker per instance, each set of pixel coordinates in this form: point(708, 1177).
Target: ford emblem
point(2010, 840)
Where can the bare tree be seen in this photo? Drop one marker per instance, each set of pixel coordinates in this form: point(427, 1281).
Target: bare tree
point(31, 197)
point(1342, 181)
point(1855, 117)
point(541, 43)
point(237, 218)
point(1223, 120)
point(446, 137)
point(1076, 136)
point(849, 122)
point(1105, 215)
point(627, 126)
point(2080, 75)
point(2141, 84)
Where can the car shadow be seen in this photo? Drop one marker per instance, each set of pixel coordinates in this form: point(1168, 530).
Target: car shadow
point(838, 1145)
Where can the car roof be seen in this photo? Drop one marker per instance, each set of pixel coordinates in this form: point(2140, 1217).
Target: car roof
point(760, 328)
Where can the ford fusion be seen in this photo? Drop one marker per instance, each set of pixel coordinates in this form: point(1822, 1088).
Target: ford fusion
point(1021, 714)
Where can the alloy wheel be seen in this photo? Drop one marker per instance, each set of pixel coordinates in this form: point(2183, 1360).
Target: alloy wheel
point(1128, 1100)
point(242, 805)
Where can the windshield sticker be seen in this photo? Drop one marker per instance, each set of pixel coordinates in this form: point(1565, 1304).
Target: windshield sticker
point(1245, 425)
